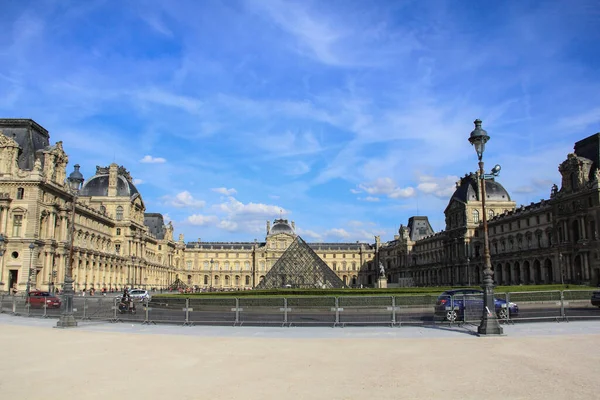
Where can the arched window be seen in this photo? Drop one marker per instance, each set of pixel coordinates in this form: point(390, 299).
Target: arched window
point(119, 213)
point(475, 216)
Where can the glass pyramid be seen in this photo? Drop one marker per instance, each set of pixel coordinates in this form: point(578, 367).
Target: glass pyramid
point(299, 267)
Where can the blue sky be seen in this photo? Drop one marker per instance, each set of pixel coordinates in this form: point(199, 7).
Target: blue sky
point(345, 116)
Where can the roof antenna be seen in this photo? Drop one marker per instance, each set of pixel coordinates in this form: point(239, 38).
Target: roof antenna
point(417, 202)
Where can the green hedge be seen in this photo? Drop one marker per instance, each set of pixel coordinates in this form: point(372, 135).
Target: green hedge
point(412, 291)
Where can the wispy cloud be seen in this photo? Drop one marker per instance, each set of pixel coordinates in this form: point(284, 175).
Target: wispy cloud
point(184, 200)
point(225, 191)
point(153, 160)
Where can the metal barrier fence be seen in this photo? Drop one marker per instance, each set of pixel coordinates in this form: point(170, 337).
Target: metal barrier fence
point(466, 308)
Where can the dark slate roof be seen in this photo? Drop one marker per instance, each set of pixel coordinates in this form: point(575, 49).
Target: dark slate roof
point(419, 227)
point(30, 136)
point(339, 246)
point(156, 224)
point(221, 245)
point(467, 190)
point(97, 185)
point(281, 226)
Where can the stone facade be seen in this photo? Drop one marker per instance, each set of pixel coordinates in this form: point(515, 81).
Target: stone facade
point(551, 241)
point(232, 265)
point(117, 243)
point(112, 246)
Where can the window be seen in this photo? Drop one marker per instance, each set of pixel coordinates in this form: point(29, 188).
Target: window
point(334, 266)
point(490, 214)
point(247, 265)
point(476, 216)
point(119, 232)
point(247, 280)
point(119, 213)
point(159, 247)
point(206, 279)
point(118, 248)
point(20, 192)
point(189, 265)
point(353, 266)
point(17, 223)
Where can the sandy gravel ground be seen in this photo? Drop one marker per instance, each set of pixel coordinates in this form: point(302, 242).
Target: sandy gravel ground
point(102, 362)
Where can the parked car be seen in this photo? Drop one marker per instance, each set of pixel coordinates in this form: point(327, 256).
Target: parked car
point(38, 298)
point(596, 299)
point(139, 295)
point(451, 304)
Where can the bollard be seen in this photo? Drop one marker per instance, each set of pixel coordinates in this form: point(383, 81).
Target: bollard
point(115, 307)
point(562, 307)
point(187, 313)
point(147, 309)
point(394, 311)
point(45, 315)
point(237, 312)
point(337, 312)
point(285, 311)
point(14, 306)
point(85, 307)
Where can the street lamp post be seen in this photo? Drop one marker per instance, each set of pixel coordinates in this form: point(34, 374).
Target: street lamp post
point(67, 319)
point(489, 321)
point(28, 288)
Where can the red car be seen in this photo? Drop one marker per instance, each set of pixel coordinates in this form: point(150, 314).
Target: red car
point(38, 299)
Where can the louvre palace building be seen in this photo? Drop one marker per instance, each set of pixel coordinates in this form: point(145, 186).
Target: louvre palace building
point(117, 243)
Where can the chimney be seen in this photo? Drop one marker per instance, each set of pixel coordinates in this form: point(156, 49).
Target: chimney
point(112, 179)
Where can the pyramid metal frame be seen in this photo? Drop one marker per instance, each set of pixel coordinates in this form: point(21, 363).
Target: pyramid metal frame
point(177, 284)
point(299, 267)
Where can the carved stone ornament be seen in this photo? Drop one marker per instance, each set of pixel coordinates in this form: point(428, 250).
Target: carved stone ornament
point(5, 141)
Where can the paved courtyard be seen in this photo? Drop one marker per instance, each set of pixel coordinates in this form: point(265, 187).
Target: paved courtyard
point(107, 361)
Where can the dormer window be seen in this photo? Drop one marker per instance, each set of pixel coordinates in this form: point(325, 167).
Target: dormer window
point(475, 216)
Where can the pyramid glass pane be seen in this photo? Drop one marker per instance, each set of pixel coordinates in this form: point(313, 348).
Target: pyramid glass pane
point(300, 267)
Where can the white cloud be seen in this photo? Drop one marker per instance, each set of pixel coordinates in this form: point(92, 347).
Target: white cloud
point(225, 191)
point(441, 187)
point(338, 232)
point(228, 225)
point(184, 200)
point(402, 193)
point(137, 181)
point(152, 160)
point(306, 233)
point(201, 220)
point(235, 207)
point(387, 186)
point(371, 199)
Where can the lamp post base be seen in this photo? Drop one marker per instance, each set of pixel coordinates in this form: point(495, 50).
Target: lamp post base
point(489, 326)
point(66, 321)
